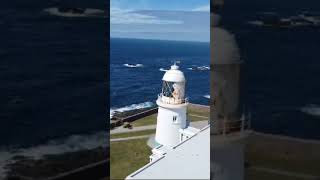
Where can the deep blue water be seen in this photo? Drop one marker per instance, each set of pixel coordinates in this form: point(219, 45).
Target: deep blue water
point(282, 67)
point(52, 72)
point(138, 85)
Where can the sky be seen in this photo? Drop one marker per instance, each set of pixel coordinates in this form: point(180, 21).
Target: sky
point(182, 20)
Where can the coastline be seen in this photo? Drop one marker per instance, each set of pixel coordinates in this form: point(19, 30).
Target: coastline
point(87, 161)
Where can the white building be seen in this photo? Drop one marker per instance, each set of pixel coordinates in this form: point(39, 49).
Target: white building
point(189, 159)
point(172, 110)
point(229, 125)
point(185, 152)
point(180, 146)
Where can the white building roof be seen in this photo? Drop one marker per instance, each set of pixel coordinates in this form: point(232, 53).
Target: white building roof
point(188, 160)
point(189, 130)
point(174, 75)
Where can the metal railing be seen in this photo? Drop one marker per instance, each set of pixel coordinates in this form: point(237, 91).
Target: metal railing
point(172, 100)
point(231, 126)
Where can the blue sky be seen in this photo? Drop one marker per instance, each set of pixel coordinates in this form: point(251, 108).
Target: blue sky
point(185, 20)
point(186, 5)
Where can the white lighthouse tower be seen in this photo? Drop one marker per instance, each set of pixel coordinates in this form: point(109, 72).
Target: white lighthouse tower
point(172, 108)
point(229, 126)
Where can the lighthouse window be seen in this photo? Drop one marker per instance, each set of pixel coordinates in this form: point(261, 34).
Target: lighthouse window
point(174, 118)
point(167, 89)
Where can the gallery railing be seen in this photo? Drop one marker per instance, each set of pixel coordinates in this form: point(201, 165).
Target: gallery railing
point(172, 100)
point(224, 127)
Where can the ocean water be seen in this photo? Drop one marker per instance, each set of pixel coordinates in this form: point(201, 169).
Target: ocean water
point(282, 67)
point(52, 75)
point(138, 87)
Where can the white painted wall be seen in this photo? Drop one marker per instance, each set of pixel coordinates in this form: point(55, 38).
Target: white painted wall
point(167, 132)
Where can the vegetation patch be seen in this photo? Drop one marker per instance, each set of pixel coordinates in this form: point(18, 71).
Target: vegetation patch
point(127, 157)
point(254, 175)
point(148, 120)
point(284, 154)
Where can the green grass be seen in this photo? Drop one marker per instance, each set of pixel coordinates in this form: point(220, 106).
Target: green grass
point(199, 112)
point(283, 155)
point(257, 175)
point(277, 162)
point(194, 112)
point(152, 119)
point(148, 120)
point(131, 134)
point(192, 118)
point(127, 157)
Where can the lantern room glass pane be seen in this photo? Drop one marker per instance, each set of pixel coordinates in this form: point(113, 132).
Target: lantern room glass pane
point(167, 89)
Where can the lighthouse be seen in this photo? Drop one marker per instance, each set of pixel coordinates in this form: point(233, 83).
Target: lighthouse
point(176, 143)
point(229, 126)
point(172, 108)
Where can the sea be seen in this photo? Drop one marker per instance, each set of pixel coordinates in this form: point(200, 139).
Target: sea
point(281, 64)
point(138, 86)
point(53, 71)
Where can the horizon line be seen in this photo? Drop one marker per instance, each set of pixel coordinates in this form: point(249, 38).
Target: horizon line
point(159, 39)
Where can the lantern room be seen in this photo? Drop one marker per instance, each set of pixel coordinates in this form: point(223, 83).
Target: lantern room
point(173, 87)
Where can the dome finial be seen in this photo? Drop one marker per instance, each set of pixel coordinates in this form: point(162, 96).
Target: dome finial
point(175, 66)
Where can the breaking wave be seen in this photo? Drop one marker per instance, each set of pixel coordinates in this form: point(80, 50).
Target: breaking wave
point(75, 12)
point(199, 68)
point(162, 69)
point(256, 23)
point(207, 96)
point(311, 109)
point(54, 147)
point(131, 107)
point(133, 65)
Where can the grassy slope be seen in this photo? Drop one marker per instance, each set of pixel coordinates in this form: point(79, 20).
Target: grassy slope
point(283, 155)
point(128, 156)
point(256, 175)
point(148, 120)
point(152, 119)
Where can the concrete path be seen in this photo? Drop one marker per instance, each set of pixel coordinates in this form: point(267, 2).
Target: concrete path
point(194, 115)
point(129, 138)
point(196, 124)
point(134, 129)
point(284, 173)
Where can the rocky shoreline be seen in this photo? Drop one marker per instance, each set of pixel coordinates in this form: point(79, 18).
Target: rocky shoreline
point(121, 115)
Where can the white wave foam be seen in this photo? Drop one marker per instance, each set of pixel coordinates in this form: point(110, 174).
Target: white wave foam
point(70, 144)
point(199, 68)
point(162, 69)
point(131, 107)
point(256, 23)
point(88, 12)
point(4, 159)
point(133, 65)
point(311, 109)
point(207, 96)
